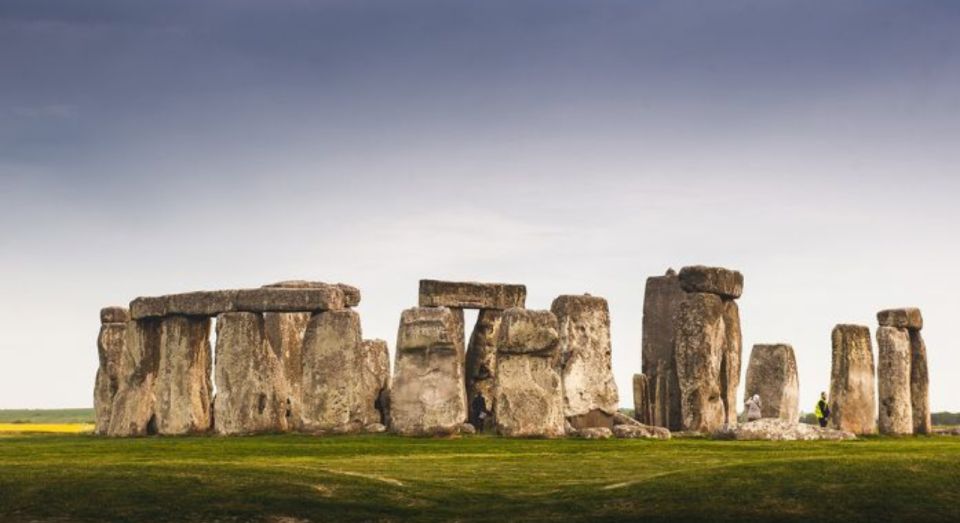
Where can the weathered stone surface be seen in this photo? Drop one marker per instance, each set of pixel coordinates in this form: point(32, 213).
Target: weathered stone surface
point(661, 298)
point(772, 374)
point(919, 384)
point(529, 390)
point(640, 431)
point(375, 428)
point(114, 315)
point(594, 433)
point(642, 406)
point(148, 307)
point(252, 393)
point(853, 397)
point(590, 393)
point(527, 331)
point(471, 295)
point(713, 280)
point(332, 373)
point(482, 362)
point(428, 391)
point(290, 300)
point(183, 388)
point(110, 347)
point(906, 318)
point(375, 388)
point(700, 339)
point(200, 303)
point(730, 360)
point(893, 381)
point(132, 413)
point(780, 430)
point(285, 332)
point(467, 429)
point(351, 294)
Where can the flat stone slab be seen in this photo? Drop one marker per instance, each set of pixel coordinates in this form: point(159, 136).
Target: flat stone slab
point(714, 280)
point(471, 295)
point(906, 318)
point(114, 315)
point(351, 294)
point(214, 303)
point(775, 429)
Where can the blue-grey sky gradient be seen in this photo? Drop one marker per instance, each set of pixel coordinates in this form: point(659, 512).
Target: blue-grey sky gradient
point(575, 146)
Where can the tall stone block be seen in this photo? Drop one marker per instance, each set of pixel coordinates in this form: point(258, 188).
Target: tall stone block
point(700, 340)
point(642, 406)
point(110, 347)
point(772, 374)
point(662, 297)
point(919, 384)
point(590, 393)
point(482, 358)
point(285, 332)
point(373, 403)
point(183, 386)
point(132, 413)
point(428, 391)
point(893, 381)
point(251, 389)
point(529, 387)
point(332, 373)
point(852, 392)
point(730, 358)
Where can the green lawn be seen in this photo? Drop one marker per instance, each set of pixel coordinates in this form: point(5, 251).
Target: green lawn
point(46, 416)
point(270, 478)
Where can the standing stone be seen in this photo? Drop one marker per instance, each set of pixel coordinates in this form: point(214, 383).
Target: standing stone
point(428, 392)
point(110, 348)
point(919, 384)
point(700, 340)
point(529, 387)
point(132, 413)
point(893, 381)
point(852, 394)
point(662, 296)
point(332, 373)
point(251, 390)
point(772, 374)
point(482, 359)
point(642, 406)
point(183, 387)
point(373, 403)
point(589, 390)
point(731, 357)
point(285, 332)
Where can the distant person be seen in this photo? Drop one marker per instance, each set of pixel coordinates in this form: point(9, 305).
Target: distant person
point(478, 411)
point(754, 408)
point(823, 410)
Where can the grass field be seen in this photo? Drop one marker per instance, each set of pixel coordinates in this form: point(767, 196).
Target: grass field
point(361, 478)
point(46, 416)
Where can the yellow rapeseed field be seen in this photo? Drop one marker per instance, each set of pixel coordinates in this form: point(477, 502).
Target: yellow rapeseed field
point(62, 428)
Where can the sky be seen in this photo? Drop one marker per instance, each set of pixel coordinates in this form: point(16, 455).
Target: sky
point(574, 146)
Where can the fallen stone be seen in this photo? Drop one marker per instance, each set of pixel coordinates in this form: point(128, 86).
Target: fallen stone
point(642, 404)
point(589, 391)
point(662, 296)
point(252, 393)
point(183, 388)
point(375, 428)
point(114, 315)
point(428, 392)
point(700, 340)
point(776, 429)
point(730, 360)
point(919, 384)
point(893, 381)
point(713, 280)
point(620, 418)
point(285, 332)
point(482, 362)
point(375, 375)
point(471, 295)
point(290, 300)
point(351, 294)
point(132, 413)
point(853, 401)
point(907, 318)
point(772, 374)
point(111, 344)
point(333, 373)
point(594, 433)
point(466, 428)
point(640, 431)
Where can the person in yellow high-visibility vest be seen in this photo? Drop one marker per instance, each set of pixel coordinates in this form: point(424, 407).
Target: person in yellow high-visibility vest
point(823, 410)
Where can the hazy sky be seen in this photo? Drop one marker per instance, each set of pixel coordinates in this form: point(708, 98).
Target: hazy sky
point(156, 147)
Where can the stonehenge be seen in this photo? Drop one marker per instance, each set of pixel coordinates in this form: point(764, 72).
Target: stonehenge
point(853, 403)
point(291, 357)
point(772, 374)
point(902, 381)
point(692, 347)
